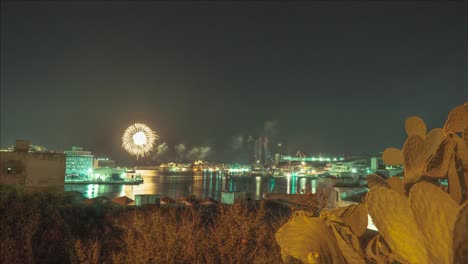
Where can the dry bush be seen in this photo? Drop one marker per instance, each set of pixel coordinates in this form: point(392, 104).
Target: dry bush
point(41, 227)
point(306, 201)
point(55, 228)
point(241, 233)
point(88, 254)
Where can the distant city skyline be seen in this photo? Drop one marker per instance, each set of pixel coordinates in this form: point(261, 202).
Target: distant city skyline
point(320, 77)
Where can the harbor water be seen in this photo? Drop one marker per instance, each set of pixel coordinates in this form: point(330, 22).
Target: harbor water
point(209, 184)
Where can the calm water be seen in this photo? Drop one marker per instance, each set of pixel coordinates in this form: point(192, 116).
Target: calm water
point(202, 186)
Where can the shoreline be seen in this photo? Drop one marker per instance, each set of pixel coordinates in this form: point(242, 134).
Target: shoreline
point(131, 182)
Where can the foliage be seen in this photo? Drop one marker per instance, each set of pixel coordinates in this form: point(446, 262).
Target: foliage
point(42, 226)
point(419, 220)
point(224, 234)
point(306, 201)
point(48, 227)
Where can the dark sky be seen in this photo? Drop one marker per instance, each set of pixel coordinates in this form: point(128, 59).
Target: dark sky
point(336, 77)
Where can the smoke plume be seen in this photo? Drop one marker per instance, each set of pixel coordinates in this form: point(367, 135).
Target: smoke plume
point(199, 153)
point(180, 149)
point(160, 150)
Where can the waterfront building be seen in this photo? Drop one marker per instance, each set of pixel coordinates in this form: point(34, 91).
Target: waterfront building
point(240, 169)
point(287, 158)
point(361, 166)
point(199, 166)
point(123, 200)
point(355, 166)
point(172, 167)
point(261, 152)
point(232, 197)
point(79, 163)
point(147, 199)
point(32, 168)
point(106, 173)
point(103, 163)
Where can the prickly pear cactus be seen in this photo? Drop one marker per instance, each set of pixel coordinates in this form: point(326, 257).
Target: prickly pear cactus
point(419, 220)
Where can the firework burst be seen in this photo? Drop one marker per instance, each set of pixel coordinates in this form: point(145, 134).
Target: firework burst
point(139, 140)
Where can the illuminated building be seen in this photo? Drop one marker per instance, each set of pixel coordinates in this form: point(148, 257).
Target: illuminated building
point(177, 168)
point(310, 159)
point(261, 153)
point(103, 163)
point(79, 163)
point(32, 168)
point(361, 166)
point(107, 173)
point(277, 147)
point(238, 169)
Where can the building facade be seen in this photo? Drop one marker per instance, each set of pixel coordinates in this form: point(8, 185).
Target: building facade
point(79, 163)
point(103, 163)
point(261, 153)
point(32, 170)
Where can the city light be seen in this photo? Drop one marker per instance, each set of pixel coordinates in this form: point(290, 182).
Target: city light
point(320, 158)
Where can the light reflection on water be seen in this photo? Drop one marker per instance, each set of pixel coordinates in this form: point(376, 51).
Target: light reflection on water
point(202, 186)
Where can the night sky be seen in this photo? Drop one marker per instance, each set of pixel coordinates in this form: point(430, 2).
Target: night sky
point(322, 77)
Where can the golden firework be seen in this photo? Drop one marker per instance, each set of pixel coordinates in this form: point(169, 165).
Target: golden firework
point(139, 140)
